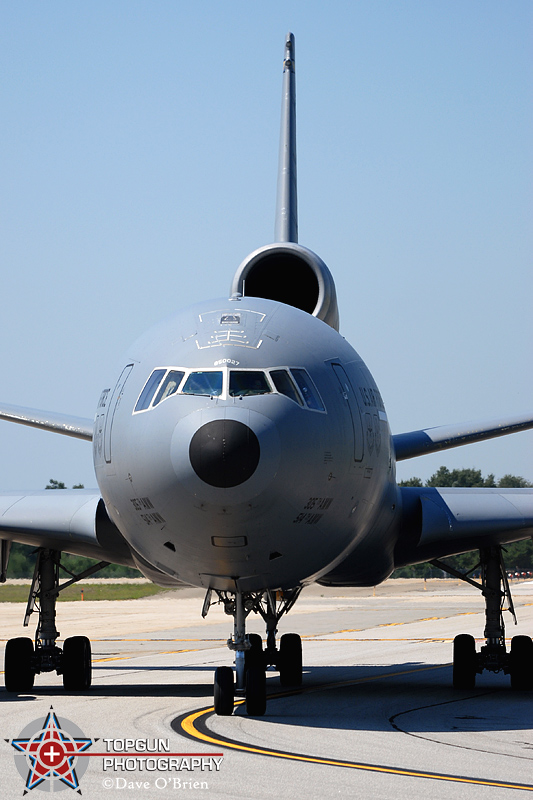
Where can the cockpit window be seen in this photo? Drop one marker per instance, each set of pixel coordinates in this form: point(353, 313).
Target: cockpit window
point(243, 383)
point(149, 389)
point(294, 383)
point(169, 385)
point(204, 383)
point(284, 384)
point(308, 389)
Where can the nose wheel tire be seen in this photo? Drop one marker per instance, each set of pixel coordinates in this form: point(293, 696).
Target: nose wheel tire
point(464, 662)
point(76, 663)
point(255, 691)
point(18, 667)
point(290, 660)
point(254, 656)
point(521, 662)
point(224, 691)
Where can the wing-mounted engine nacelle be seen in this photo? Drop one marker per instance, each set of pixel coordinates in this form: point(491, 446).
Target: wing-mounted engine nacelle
point(290, 274)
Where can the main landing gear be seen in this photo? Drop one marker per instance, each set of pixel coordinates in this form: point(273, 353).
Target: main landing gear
point(493, 656)
point(22, 660)
point(251, 659)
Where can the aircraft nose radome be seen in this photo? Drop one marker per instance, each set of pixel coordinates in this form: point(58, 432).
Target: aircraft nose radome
point(224, 453)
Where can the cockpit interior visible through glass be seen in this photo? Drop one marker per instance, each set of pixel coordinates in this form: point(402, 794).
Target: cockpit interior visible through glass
point(203, 383)
point(246, 382)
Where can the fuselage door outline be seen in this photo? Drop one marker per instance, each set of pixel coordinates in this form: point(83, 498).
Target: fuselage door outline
point(115, 399)
point(350, 397)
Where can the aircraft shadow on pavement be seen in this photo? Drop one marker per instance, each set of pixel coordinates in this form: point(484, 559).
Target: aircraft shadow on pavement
point(144, 687)
point(204, 690)
point(380, 698)
point(377, 698)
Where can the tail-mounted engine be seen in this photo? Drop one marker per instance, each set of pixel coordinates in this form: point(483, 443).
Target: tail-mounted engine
point(291, 274)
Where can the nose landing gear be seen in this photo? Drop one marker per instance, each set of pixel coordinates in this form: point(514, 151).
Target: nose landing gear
point(251, 660)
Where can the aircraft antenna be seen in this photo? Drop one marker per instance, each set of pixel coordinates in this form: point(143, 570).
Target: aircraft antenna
point(287, 202)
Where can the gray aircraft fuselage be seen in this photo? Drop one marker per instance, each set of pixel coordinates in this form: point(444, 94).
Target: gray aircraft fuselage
point(247, 492)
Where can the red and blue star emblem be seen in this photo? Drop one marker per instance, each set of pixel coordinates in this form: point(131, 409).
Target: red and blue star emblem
point(51, 754)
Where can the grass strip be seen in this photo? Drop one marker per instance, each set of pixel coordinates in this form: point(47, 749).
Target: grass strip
point(91, 591)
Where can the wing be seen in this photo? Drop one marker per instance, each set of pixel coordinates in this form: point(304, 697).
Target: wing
point(429, 440)
point(442, 522)
point(72, 520)
point(79, 427)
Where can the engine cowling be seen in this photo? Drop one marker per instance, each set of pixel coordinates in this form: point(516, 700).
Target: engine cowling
point(291, 274)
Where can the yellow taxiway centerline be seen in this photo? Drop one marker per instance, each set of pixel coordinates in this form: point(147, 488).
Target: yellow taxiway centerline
point(188, 725)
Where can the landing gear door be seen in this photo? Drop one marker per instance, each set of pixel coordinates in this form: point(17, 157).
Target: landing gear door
point(348, 394)
point(113, 405)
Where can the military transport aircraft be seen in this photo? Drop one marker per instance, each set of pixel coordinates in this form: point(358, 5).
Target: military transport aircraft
point(245, 449)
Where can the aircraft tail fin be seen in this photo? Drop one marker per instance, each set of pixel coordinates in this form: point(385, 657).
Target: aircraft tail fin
point(286, 271)
point(287, 202)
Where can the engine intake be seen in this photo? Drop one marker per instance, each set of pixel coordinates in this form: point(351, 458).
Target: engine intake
point(291, 274)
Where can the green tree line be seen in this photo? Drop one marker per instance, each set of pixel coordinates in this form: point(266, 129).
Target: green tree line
point(518, 557)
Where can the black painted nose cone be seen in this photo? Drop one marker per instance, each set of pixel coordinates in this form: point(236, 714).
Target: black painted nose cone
point(224, 453)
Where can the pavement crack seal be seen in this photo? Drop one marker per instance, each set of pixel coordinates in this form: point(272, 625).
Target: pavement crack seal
point(193, 725)
point(451, 744)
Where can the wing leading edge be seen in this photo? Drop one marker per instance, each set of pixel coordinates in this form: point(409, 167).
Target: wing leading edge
point(79, 427)
point(444, 437)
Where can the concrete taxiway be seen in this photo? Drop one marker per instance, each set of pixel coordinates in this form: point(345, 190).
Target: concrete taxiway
point(376, 716)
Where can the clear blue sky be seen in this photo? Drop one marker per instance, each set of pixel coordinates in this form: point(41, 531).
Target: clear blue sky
point(139, 144)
